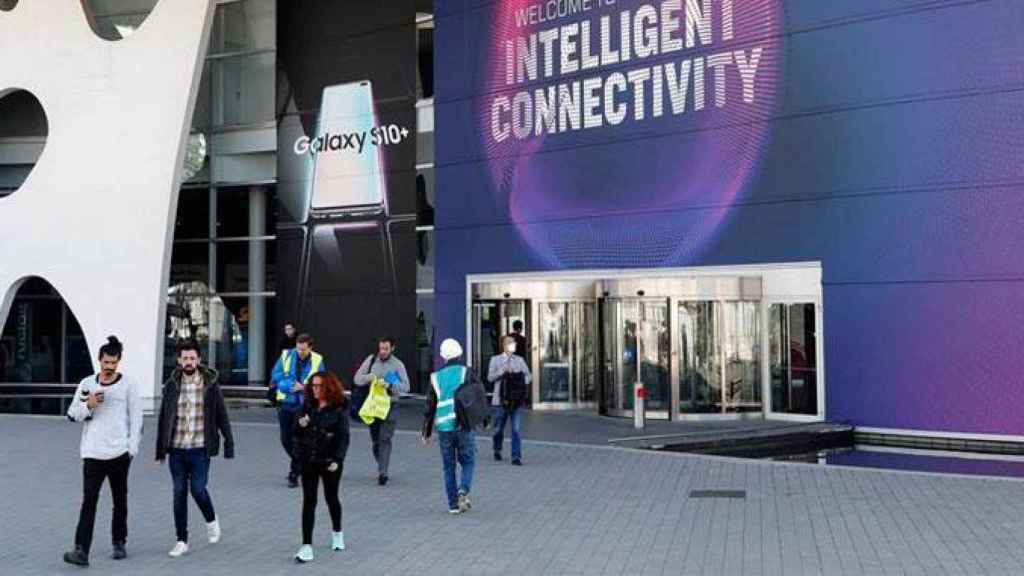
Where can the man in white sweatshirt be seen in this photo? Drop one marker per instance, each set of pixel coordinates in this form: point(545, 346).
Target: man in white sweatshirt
point(111, 408)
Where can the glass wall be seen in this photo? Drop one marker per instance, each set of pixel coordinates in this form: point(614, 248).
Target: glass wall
point(221, 288)
point(42, 342)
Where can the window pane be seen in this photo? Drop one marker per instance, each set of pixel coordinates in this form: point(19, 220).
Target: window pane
point(425, 260)
point(232, 212)
point(425, 197)
point(244, 89)
point(30, 346)
point(233, 265)
point(190, 265)
point(424, 339)
point(243, 26)
point(193, 215)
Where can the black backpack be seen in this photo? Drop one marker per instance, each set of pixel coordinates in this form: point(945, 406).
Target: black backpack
point(471, 407)
point(513, 389)
point(360, 394)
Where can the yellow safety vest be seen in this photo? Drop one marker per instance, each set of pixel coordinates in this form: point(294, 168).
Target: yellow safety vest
point(286, 365)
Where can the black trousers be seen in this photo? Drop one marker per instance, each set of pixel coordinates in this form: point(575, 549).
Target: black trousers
point(312, 474)
point(93, 474)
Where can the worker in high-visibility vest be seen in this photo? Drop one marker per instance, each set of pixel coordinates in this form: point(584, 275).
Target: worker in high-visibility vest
point(291, 375)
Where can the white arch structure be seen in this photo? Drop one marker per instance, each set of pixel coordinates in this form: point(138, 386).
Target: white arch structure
point(95, 217)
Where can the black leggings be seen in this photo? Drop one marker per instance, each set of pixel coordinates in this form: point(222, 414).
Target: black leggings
point(311, 475)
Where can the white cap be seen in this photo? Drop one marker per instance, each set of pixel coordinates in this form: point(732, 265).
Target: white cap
point(450, 349)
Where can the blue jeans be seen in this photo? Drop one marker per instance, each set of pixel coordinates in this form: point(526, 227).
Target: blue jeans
point(458, 446)
point(501, 414)
point(190, 470)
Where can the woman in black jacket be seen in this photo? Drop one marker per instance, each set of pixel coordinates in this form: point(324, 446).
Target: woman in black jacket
point(321, 440)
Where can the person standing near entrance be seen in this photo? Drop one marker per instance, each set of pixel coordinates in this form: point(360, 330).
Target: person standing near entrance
point(517, 335)
point(511, 378)
point(321, 442)
point(287, 341)
point(192, 419)
point(290, 376)
point(456, 434)
point(385, 365)
point(110, 405)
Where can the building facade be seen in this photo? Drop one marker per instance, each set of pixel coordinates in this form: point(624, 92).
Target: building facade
point(232, 230)
point(796, 210)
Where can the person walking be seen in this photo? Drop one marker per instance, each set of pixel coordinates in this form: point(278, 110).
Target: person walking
point(321, 442)
point(110, 405)
point(290, 376)
point(511, 378)
point(457, 438)
point(192, 420)
point(385, 365)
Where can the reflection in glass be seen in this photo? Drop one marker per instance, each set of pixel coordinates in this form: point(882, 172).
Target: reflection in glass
point(742, 357)
point(700, 389)
point(554, 352)
point(793, 353)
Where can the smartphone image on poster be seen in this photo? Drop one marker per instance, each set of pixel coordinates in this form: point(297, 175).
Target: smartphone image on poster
point(348, 176)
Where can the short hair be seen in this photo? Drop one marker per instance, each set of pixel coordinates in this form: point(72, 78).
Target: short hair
point(304, 339)
point(113, 347)
point(387, 339)
point(517, 325)
point(333, 388)
point(186, 345)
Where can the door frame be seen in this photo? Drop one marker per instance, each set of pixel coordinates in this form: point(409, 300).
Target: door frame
point(790, 282)
point(673, 392)
point(819, 350)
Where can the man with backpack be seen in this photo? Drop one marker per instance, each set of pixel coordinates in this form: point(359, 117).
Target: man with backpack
point(511, 378)
point(387, 367)
point(456, 406)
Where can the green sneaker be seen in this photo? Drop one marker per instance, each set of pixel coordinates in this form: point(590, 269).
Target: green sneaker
point(305, 554)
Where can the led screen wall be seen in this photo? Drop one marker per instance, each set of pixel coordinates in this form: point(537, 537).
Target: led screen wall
point(881, 138)
point(346, 262)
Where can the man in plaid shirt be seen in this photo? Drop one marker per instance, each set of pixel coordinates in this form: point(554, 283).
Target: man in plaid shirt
point(192, 419)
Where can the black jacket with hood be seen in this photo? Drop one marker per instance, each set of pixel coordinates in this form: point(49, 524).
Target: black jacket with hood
point(215, 415)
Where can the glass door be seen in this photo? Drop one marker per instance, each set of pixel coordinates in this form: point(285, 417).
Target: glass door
point(719, 355)
point(554, 347)
point(493, 319)
point(793, 358)
point(636, 348)
point(567, 358)
point(486, 333)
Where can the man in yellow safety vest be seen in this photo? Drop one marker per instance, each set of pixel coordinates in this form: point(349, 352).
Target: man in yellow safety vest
point(290, 376)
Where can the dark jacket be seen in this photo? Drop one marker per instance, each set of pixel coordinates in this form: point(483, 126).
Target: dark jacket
point(215, 415)
point(325, 438)
point(431, 407)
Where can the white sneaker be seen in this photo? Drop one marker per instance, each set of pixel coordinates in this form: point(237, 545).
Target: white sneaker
point(338, 541)
point(213, 531)
point(305, 554)
point(180, 548)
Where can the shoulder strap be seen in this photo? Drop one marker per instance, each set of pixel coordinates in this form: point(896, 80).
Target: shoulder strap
point(434, 385)
point(373, 360)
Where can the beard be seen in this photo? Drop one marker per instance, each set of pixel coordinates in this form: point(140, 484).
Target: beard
point(189, 370)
